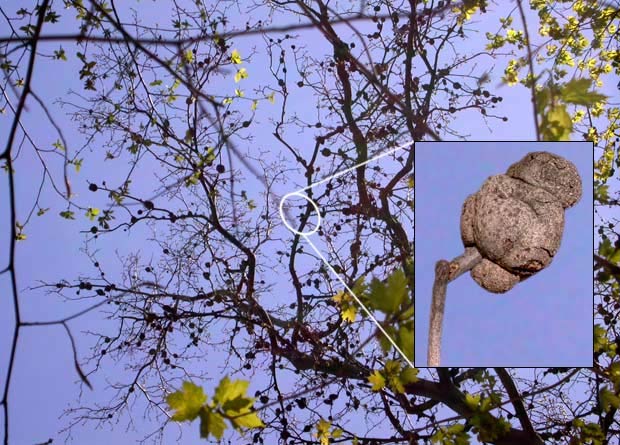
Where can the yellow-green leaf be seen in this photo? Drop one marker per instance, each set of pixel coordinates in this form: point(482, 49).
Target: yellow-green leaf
point(608, 399)
point(211, 423)
point(247, 420)
point(377, 381)
point(187, 402)
point(235, 57)
point(242, 73)
point(349, 313)
point(188, 56)
point(67, 214)
point(472, 400)
point(230, 390)
point(322, 431)
point(92, 212)
point(557, 125)
point(576, 92)
point(405, 341)
point(409, 375)
point(272, 98)
point(348, 310)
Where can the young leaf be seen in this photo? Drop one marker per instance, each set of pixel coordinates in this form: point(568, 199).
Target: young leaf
point(388, 297)
point(405, 341)
point(247, 420)
point(348, 309)
point(472, 401)
point(235, 57)
point(92, 212)
point(67, 214)
point(187, 402)
point(377, 381)
point(557, 125)
point(397, 287)
point(229, 390)
point(211, 423)
point(237, 404)
point(188, 56)
point(242, 73)
point(576, 92)
point(409, 375)
point(349, 313)
point(322, 431)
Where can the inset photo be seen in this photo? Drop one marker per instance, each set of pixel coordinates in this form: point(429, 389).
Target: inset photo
point(503, 270)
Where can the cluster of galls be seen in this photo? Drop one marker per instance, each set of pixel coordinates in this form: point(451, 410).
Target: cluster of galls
point(516, 220)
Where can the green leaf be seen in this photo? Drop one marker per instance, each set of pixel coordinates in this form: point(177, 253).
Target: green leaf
point(605, 249)
point(247, 420)
point(472, 401)
point(242, 73)
point(58, 145)
point(237, 404)
point(405, 341)
point(235, 57)
point(322, 431)
point(92, 212)
point(155, 83)
point(42, 211)
point(187, 402)
point(557, 125)
point(77, 164)
point(388, 297)
point(608, 400)
point(614, 373)
point(393, 373)
point(67, 214)
point(386, 344)
point(229, 390)
point(211, 423)
point(576, 92)
point(601, 194)
point(60, 54)
point(542, 99)
point(397, 288)
point(409, 375)
point(188, 56)
point(377, 381)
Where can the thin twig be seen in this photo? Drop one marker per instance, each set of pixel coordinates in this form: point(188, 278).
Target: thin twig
point(444, 273)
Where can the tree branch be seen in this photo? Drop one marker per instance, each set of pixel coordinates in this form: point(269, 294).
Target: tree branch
point(444, 273)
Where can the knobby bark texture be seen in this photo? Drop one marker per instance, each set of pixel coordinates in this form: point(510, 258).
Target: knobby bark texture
point(511, 228)
point(516, 220)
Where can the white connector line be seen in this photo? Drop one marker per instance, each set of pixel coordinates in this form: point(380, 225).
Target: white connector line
point(306, 235)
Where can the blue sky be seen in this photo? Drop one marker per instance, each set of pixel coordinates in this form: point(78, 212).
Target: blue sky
point(543, 321)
